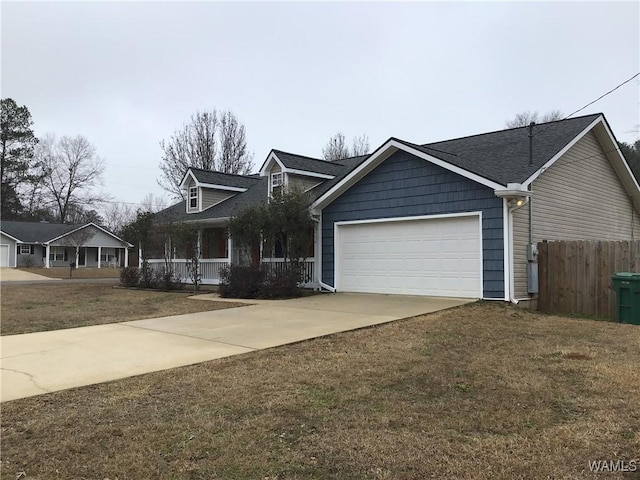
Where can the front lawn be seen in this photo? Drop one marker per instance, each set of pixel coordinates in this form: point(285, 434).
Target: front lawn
point(52, 306)
point(63, 272)
point(484, 391)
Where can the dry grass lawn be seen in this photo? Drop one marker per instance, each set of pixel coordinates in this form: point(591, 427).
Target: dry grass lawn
point(52, 306)
point(484, 391)
point(63, 272)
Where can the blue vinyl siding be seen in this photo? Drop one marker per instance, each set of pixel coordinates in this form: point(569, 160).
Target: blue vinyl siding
point(405, 186)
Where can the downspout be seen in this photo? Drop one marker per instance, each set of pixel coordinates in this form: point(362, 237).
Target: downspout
point(532, 250)
point(323, 286)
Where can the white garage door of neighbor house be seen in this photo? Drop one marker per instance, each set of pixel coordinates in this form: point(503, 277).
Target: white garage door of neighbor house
point(438, 256)
point(4, 255)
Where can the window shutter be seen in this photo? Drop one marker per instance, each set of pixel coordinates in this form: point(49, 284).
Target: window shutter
point(30, 249)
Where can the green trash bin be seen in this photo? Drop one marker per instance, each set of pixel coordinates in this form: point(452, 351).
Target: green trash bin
point(627, 287)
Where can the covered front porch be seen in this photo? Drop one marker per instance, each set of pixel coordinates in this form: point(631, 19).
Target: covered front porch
point(217, 250)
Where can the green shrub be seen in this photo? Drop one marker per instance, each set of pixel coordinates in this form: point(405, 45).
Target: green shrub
point(165, 279)
point(239, 281)
point(265, 281)
point(146, 276)
point(280, 281)
point(130, 276)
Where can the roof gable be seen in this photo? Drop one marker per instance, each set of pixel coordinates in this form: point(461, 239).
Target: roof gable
point(41, 232)
point(503, 156)
point(219, 180)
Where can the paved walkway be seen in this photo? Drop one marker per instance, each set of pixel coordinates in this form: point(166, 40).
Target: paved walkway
point(38, 363)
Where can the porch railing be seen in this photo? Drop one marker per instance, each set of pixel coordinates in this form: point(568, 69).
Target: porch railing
point(210, 268)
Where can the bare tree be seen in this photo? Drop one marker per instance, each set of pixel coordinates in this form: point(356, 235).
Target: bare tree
point(210, 141)
point(116, 215)
point(336, 148)
point(523, 119)
point(78, 239)
point(153, 203)
point(360, 146)
point(71, 170)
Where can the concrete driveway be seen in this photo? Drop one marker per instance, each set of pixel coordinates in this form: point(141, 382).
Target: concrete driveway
point(37, 363)
point(15, 275)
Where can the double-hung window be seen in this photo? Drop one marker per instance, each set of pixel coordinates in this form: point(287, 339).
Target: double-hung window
point(108, 255)
point(26, 249)
point(56, 254)
point(193, 197)
point(277, 182)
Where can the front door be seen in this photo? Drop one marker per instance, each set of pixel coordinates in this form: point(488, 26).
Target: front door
point(82, 257)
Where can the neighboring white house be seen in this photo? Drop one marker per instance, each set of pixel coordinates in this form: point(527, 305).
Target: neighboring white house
point(40, 244)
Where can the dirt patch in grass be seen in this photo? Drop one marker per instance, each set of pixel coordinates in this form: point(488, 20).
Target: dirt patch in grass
point(52, 306)
point(63, 272)
point(482, 391)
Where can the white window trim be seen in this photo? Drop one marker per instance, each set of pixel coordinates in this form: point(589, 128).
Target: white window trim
point(279, 175)
point(22, 252)
point(195, 197)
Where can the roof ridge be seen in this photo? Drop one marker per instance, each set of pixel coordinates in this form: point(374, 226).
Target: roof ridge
point(275, 150)
point(38, 222)
point(510, 129)
point(239, 175)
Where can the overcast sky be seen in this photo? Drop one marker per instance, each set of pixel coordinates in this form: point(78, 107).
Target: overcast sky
point(126, 75)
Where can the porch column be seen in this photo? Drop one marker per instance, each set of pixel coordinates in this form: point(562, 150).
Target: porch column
point(99, 255)
point(46, 258)
point(126, 257)
point(139, 257)
point(199, 244)
point(229, 249)
point(78, 257)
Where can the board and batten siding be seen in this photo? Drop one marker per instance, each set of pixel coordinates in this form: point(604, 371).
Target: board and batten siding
point(405, 186)
point(211, 196)
point(579, 197)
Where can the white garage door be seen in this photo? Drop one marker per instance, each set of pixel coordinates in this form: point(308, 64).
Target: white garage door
point(4, 255)
point(438, 256)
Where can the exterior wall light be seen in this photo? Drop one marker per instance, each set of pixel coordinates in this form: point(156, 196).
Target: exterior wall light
point(515, 194)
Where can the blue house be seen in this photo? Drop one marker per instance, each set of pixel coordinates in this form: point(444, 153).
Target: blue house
point(456, 218)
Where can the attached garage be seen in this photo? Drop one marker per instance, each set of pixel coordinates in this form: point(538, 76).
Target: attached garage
point(4, 255)
point(436, 255)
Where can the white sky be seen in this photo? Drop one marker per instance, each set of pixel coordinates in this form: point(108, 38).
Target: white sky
point(126, 75)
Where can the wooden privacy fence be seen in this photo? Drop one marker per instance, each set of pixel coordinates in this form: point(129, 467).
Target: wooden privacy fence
point(575, 277)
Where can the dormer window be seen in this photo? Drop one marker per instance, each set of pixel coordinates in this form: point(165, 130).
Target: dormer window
point(193, 197)
point(277, 180)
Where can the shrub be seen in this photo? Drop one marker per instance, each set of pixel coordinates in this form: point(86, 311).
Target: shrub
point(146, 276)
point(280, 282)
point(239, 281)
point(166, 279)
point(27, 261)
point(266, 281)
point(130, 276)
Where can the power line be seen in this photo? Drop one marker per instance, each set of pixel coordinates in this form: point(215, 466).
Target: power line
point(587, 105)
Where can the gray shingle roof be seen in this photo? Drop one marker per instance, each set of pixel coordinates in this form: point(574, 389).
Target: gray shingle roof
point(227, 179)
point(34, 232)
point(501, 156)
point(308, 164)
point(255, 195)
